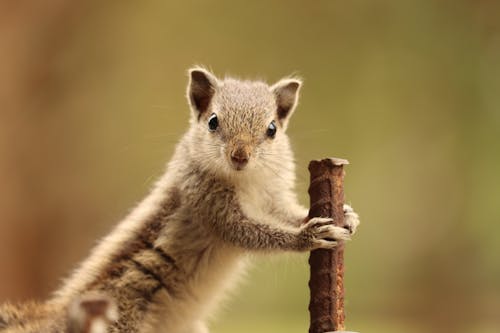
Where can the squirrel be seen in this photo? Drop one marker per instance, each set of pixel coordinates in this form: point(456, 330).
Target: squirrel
point(227, 191)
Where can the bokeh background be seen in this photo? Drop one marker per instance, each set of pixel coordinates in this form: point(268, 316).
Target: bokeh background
point(92, 104)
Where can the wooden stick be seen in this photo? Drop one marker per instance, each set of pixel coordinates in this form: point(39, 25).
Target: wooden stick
point(326, 283)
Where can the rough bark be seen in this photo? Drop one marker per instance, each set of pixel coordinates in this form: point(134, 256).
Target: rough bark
point(326, 283)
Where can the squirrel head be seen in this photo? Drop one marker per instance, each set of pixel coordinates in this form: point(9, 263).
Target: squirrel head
point(240, 125)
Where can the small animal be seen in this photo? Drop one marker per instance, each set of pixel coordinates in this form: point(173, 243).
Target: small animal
point(228, 191)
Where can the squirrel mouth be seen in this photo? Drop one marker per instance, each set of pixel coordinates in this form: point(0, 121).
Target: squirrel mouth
point(238, 166)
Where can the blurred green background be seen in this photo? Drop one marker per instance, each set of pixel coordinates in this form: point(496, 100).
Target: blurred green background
point(92, 103)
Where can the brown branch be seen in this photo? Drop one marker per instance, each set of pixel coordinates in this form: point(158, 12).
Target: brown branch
point(326, 283)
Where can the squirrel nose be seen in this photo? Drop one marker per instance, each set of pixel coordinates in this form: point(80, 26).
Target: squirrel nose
point(240, 157)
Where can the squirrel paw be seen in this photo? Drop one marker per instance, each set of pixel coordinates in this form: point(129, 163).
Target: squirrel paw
point(320, 233)
point(351, 219)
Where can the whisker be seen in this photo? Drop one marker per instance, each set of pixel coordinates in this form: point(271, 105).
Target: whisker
point(263, 164)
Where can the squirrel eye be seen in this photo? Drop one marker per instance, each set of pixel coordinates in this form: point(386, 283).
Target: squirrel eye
point(213, 123)
point(271, 130)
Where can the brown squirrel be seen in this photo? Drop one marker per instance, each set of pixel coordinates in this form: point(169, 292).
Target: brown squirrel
point(227, 191)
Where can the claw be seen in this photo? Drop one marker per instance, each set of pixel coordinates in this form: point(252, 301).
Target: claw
point(319, 221)
point(324, 244)
point(332, 232)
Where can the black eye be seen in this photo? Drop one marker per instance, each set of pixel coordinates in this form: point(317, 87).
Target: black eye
point(213, 123)
point(271, 130)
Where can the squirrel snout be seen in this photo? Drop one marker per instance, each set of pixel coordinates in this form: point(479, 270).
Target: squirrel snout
point(240, 156)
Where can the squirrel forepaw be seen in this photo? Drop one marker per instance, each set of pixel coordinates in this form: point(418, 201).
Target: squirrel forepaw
point(319, 233)
point(351, 219)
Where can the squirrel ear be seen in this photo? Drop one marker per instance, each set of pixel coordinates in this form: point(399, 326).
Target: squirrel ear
point(201, 89)
point(286, 92)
